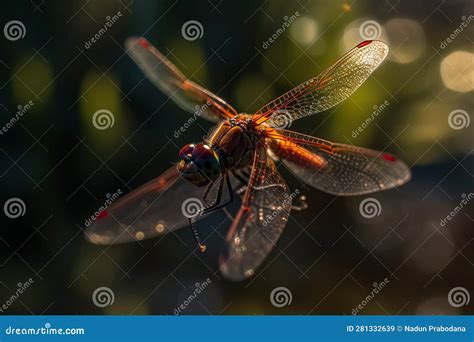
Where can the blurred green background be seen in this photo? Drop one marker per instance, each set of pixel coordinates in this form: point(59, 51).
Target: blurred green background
point(62, 167)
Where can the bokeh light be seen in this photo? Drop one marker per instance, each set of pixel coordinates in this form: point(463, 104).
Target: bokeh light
point(457, 71)
point(102, 95)
point(32, 79)
point(304, 30)
point(406, 38)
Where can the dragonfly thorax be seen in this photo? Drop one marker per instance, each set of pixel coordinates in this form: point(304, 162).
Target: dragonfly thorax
point(234, 141)
point(199, 164)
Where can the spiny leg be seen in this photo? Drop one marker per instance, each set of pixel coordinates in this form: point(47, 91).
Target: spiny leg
point(243, 180)
point(206, 192)
point(214, 206)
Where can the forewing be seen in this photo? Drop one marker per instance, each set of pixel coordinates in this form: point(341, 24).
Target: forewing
point(159, 206)
point(259, 222)
point(164, 75)
point(331, 87)
point(343, 169)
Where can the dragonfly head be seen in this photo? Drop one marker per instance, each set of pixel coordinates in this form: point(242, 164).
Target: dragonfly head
point(199, 164)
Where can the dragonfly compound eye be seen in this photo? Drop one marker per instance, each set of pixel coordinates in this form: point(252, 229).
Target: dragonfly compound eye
point(199, 164)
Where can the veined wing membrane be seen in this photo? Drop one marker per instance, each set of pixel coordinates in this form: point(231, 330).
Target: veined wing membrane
point(151, 210)
point(331, 87)
point(260, 221)
point(338, 168)
point(164, 75)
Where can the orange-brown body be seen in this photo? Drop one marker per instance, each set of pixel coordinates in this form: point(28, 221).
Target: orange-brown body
point(286, 149)
point(235, 139)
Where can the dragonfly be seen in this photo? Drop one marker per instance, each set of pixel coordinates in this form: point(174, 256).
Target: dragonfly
point(237, 159)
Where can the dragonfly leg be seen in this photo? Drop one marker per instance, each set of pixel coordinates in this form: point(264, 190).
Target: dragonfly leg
point(302, 205)
point(195, 232)
point(214, 206)
point(229, 216)
point(206, 192)
point(243, 180)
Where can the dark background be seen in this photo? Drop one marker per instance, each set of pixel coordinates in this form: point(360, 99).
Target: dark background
point(329, 256)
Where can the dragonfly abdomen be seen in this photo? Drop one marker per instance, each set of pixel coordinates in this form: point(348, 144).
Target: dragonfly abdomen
point(297, 154)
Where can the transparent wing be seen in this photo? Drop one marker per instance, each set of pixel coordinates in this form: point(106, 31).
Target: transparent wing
point(259, 222)
point(153, 209)
point(338, 168)
point(331, 87)
point(164, 75)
